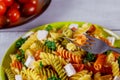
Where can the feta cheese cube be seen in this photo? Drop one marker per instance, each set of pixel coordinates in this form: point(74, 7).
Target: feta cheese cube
point(69, 69)
point(71, 26)
point(116, 78)
point(111, 39)
point(42, 34)
point(27, 34)
point(18, 77)
point(29, 61)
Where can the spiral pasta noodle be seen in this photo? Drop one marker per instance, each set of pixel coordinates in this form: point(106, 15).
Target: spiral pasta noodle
point(29, 41)
point(67, 55)
point(100, 61)
point(115, 68)
point(10, 74)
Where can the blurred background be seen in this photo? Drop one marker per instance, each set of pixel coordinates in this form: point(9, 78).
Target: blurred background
point(102, 12)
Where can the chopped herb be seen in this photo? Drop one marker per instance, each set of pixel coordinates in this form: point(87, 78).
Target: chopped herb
point(89, 57)
point(20, 57)
point(53, 78)
point(108, 52)
point(50, 44)
point(41, 65)
point(119, 61)
point(20, 42)
point(48, 28)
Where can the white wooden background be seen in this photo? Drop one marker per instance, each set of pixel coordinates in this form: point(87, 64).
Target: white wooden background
point(102, 12)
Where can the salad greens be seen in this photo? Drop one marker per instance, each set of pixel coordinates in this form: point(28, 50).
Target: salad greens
point(50, 44)
point(20, 42)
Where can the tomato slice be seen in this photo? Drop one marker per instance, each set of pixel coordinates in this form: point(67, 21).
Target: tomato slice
point(2, 8)
point(14, 15)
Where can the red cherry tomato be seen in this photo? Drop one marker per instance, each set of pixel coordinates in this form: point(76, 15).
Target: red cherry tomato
point(23, 1)
point(15, 6)
point(29, 9)
point(2, 8)
point(8, 2)
point(35, 2)
point(13, 15)
point(3, 21)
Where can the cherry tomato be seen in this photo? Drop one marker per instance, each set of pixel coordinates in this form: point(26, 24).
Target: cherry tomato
point(35, 2)
point(15, 6)
point(8, 2)
point(2, 8)
point(29, 9)
point(23, 1)
point(13, 15)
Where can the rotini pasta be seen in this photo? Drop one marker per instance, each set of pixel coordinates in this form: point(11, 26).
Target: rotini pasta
point(50, 56)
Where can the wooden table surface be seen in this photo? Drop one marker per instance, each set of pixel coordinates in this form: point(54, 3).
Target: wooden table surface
point(102, 12)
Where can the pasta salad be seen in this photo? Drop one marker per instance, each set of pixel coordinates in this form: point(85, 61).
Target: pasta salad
point(45, 54)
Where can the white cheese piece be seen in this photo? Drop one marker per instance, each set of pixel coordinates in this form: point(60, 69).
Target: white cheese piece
point(111, 39)
point(27, 34)
point(42, 34)
point(116, 78)
point(69, 69)
point(29, 61)
point(18, 77)
point(73, 26)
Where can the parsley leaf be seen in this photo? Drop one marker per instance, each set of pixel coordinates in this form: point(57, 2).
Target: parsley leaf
point(50, 44)
point(20, 42)
point(53, 78)
point(89, 57)
point(41, 65)
point(48, 28)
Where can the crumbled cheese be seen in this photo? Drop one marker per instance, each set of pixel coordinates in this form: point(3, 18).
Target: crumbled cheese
point(73, 26)
point(111, 40)
point(69, 69)
point(42, 34)
point(27, 34)
point(29, 61)
point(116, 78)
point(18, 77)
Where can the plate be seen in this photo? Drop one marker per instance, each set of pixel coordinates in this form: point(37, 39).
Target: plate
point(99, 32)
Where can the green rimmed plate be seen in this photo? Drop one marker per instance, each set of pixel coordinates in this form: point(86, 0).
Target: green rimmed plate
point(6, 59)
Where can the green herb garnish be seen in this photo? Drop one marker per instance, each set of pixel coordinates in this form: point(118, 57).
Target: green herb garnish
point(41, 65)
point(50, 44)
point(20, 42)
point(89, 57)
point(119, 61)
point(53, 78)
point(21, 57)
point(48, 28)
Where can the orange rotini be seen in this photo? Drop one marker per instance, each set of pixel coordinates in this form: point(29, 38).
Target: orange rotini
point(100, 61)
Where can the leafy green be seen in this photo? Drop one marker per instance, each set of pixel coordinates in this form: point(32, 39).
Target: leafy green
point(41, 65)
point(53, 78)
point(108, 52)
point(48, 28)
point(20, 42)
point(119, 61)
point(50, 44)
point(89, 57)
point(21, 57)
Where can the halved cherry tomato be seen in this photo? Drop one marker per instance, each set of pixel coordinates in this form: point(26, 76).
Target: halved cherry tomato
point(13, 15)
point(2, 8)
point(29, 9)
point(8, 2)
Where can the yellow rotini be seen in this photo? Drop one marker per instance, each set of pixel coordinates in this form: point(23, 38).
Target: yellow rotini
point(9, 74)
point(29, 41)
point(115, 68)
point(30, 74)
point(110, 58)
point(67, 32)
point(71, 47)
point(82, 75)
